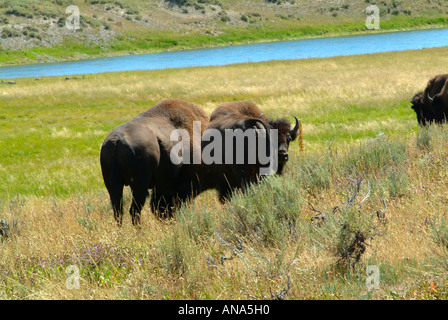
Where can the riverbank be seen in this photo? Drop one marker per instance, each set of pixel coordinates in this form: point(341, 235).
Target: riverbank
point(257, 52)
point(122, 28)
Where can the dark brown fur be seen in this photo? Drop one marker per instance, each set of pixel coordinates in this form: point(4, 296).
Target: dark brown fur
point(227, 177)
point(137, 154)
point(431, 105)
point(440, 100)
point(434, 86)
point(246, 108)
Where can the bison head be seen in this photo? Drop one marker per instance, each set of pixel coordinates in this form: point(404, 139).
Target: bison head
point(427, 108)
point(285, 136)
point(417, 106)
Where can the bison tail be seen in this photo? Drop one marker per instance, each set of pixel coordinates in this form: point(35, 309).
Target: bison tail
point(112, 178)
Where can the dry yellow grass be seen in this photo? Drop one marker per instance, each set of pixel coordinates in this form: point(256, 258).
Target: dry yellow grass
point(345, 99)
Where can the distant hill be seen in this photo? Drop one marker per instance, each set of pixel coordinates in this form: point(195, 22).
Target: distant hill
point(36, 31)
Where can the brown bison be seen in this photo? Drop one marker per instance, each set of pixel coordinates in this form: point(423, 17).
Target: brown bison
point(431, 105)
point(137, 154)
point(244, 115)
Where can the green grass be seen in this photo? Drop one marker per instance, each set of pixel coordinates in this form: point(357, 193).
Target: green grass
point(54, 128)
point(261, 243)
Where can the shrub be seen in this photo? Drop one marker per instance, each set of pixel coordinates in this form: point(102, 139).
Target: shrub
point(177, 252)
point(376, 156)
point(198, 222)
point(431, 148)
point(194, 3)
point(424, 139)
point(345, 231)
point(267, 213)
point(439, 227)
point(355, 228)
point(315, 174)
point(432, 137)
point(222, 15)
point(61, 22)
point(279, 2)
point(18, 12)
point(10, 33)
point(397, 182)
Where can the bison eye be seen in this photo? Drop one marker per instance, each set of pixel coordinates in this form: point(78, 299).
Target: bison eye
point(288, 138)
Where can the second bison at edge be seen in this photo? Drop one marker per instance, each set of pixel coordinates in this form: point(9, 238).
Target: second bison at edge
point(431, 105)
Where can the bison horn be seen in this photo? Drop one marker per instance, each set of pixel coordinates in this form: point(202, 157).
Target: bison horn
point(429, 97)
point(296, 127)
point(261, 115)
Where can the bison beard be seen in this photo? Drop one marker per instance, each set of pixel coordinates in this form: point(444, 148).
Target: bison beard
point(137, 154)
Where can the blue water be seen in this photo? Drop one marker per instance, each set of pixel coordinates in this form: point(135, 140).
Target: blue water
point(297, 49)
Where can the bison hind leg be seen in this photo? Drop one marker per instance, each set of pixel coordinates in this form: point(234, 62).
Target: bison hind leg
point(138, 201)
point(118, 211)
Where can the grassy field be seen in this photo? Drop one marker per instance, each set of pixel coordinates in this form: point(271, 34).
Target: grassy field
point(364, 157)
point(34, 31)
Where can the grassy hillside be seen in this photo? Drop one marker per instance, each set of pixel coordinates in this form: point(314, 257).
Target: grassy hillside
point(35, 31)
point(380, 182)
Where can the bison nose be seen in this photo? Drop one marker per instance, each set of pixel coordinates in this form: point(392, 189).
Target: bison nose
point(283, 155)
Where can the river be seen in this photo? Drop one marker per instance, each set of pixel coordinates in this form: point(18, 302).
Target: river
point(279, 50)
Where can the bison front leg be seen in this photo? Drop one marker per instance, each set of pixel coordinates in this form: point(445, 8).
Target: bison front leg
point(158, 204)
point(225, 193)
